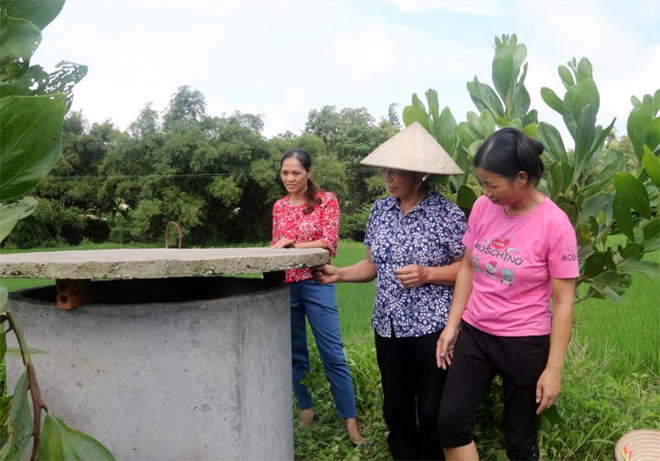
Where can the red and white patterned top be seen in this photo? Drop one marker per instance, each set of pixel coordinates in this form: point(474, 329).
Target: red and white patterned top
point(291, 222)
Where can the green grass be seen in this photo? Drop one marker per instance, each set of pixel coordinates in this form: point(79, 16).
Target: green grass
point(355, 300)
point(625, 335)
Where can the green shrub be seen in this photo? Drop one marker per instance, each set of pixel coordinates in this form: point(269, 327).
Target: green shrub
point(354, 225)
point(50, 225)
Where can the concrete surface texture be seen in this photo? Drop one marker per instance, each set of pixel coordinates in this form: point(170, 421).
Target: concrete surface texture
point(208, 379)
point(156, 263)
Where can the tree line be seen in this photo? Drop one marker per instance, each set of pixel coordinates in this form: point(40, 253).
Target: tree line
point(216, 176)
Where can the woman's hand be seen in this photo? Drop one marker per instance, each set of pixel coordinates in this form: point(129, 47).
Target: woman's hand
point(547, 389)
point(324, 275)
point(444, 351)
point(412, 275)
point(284, 243)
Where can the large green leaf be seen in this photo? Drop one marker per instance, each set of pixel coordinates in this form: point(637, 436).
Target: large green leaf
point(623, 217)
point(551, 140)
point(652, 235)
point(36, 81)
point(60, 442)
point(601, 136)
point(417, 104)
point(569, 207)
point(31, 83)
point(434, 106)
point(585, 94)
point(465, 197)
point(488, 123)
point(531, 117)
point(594, 206)
point(485, 98)
point(467, 135)
point(503, 70)
point(19, 422)
point(40, 13)
point(649, 268)
point(611, 284)
point(566, 77)
point(531, 130)
point(552, 100)
point(31, 128)
point(652, 138)
point(584, 70)
point(632, 192)
point(477, 123)
point(11, 213)
point(446, 131)
point(652, 165)
point(638, 121)
point(567, 115)
point(410, 116)
point(519, 53)
point(594, 264)
point(606, 175)
point(521, 102)
point(18, 41)
point(585, 134)
point(555, 180)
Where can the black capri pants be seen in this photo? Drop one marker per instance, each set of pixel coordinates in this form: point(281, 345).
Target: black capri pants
point(478, 357)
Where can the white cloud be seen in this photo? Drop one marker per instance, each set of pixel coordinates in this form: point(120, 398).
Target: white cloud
point(472, 7)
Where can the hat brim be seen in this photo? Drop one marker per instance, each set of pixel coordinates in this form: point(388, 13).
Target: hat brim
point(413, 149)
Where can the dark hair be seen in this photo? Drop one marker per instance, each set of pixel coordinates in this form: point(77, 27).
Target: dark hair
point(311, 195)
point(509, 151)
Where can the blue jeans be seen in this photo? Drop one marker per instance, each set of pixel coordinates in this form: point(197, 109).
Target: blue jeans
point(319, 304)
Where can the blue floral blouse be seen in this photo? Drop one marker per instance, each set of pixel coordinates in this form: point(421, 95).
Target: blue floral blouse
point(429, 235)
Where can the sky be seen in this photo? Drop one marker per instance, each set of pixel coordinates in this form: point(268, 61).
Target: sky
point(281, 59)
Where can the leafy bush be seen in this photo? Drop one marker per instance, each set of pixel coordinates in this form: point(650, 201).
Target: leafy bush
point(354, 225)
point(50, 225)
point(596, 193)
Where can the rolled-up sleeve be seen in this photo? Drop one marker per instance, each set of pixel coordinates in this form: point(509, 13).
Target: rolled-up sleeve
point(330, 223)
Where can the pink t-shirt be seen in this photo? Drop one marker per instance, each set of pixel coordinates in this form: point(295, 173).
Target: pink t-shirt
point(513, 259)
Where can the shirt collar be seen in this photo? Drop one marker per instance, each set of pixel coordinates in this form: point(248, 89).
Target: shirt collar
point(423, 205)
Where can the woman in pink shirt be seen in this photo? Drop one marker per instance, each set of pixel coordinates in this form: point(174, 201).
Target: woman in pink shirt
point(520, 250)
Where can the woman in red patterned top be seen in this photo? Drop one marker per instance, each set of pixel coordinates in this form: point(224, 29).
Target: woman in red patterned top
point(308, 217)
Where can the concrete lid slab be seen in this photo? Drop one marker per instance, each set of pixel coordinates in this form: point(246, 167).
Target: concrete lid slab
point(156, 263)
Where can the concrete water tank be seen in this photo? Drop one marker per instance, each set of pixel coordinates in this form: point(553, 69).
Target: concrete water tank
point(171, 362)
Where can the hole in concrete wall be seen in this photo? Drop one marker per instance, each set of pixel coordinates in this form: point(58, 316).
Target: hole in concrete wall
point(162, 290)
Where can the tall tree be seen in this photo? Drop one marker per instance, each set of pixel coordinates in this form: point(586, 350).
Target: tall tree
point(186, 107)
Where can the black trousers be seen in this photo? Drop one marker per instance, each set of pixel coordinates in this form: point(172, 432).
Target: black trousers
point(478, 357)
point(412, 388)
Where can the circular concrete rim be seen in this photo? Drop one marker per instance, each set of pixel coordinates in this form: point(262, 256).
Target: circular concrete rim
point(156, 263)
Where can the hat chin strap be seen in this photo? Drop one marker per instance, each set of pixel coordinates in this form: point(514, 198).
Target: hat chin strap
point(426, 176)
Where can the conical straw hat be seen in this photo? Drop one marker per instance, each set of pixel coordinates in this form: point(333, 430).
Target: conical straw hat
point(641, 445)
point(413, 149)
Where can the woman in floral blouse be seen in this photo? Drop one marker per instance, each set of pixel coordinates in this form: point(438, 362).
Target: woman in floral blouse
point(413, 241)
point(309, 218)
